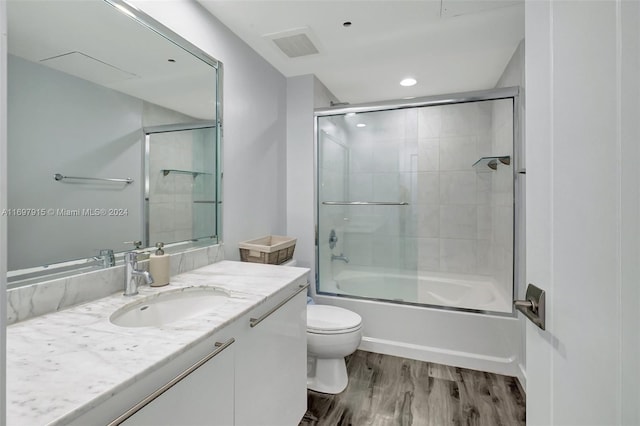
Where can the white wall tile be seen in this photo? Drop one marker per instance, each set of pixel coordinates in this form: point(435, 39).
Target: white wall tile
point(484, 183)
point(360, 158)
point(429, 155)
point(458, 152)
point(385, 187)
point(484, 257)
point(386, 252)
point(359, 248)
point(428, 254)
point(458, 221)
point(428, 188)
point(429, 122)
point(458, 256)
point(458, 119)
point(428, 217)
point(385, 157)
point(458, 187)
point(360, 187)
point(485, 224)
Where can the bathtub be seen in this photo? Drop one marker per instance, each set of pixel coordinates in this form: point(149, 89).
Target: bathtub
point(428, 288)
point(484, 335)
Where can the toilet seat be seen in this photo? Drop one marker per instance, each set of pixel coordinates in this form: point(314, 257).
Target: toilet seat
point(325, 319)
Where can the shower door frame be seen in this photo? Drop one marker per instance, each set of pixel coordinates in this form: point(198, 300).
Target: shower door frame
point(518, 170)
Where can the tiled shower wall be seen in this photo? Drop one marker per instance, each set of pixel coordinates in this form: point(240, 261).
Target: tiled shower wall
point(173, 215)
point(457, 220)
point(170, 196)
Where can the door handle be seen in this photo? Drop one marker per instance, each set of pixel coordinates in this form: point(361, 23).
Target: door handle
point(533, 307)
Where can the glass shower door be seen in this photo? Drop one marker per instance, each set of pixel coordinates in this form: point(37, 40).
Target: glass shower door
point(364, 204)
point(416, 205)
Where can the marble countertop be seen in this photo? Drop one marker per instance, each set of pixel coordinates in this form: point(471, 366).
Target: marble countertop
point(61, 365)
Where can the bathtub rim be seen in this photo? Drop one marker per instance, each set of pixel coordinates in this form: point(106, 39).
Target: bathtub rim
point(507, 364)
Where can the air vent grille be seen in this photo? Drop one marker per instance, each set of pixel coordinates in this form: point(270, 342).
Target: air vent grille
point(296, 45)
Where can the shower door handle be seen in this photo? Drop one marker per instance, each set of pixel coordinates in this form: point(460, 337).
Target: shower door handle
point(534, 305)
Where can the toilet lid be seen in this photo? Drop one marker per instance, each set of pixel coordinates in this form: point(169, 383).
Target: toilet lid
point(327, 319)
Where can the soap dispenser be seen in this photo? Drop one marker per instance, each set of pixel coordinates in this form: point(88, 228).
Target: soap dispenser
point(159, 267)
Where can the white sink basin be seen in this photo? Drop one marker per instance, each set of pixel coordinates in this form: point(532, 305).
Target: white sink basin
point(170, 306)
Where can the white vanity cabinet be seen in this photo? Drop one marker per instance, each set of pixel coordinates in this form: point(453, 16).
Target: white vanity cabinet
point(271, 361)
point(95, 372)
point(201, 395)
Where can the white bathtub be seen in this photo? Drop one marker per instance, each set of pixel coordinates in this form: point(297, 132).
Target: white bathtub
point(487, 341)
point(432, 288)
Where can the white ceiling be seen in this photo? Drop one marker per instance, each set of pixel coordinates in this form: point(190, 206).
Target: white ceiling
point(447, 45)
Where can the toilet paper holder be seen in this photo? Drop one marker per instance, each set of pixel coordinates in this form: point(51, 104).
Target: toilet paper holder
point(533, 307)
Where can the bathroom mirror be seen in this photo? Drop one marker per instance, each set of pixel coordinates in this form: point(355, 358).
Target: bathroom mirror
point(113, 135)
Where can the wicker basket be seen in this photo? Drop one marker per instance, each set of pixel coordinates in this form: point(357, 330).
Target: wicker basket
point(272, 249)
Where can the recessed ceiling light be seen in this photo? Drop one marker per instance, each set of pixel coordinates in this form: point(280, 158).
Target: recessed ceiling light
point(408, 82)
point(361, 125)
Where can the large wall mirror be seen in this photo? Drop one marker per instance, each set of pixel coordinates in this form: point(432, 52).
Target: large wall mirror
point(113, 135)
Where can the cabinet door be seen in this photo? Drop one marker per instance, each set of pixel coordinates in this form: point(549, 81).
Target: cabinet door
point(204, 397)
point(271, 366)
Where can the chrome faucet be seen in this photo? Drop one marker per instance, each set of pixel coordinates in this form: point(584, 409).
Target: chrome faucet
point(342, 257)
point(106, 258)
point(131, 274)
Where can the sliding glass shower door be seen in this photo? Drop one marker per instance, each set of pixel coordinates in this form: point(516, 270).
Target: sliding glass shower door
point(416, 204)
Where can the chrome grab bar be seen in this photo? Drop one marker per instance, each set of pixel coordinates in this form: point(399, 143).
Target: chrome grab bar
point(59, 177)
point(255, 321)
point(364, 203)
point(140, 405)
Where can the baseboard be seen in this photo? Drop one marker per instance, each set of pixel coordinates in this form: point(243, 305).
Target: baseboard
point(498, 365)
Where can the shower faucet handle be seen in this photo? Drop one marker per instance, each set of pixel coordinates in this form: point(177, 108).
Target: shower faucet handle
point(333, 239)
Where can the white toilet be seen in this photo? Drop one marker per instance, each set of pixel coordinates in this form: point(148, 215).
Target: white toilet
point(332, 334)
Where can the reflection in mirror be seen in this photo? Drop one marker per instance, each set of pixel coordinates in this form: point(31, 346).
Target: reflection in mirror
point(87, 86)
point(181, 183)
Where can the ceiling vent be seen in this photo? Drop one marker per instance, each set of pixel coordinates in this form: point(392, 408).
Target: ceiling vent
point(295, 43)
point(87, 67)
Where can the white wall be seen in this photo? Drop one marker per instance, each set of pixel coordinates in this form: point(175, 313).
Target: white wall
point(3, 205)
point(630, 212)
point(254, 123)
point(300, 187)
point(583, 210)
point(64, 124)
point(304, 93)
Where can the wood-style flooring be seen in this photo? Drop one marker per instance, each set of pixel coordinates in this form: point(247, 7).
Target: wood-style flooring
point(387, 390)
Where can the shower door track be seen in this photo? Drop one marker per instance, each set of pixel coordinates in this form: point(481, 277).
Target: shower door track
point(456, 98)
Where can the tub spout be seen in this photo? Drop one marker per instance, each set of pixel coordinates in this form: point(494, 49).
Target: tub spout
point(342, 257)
